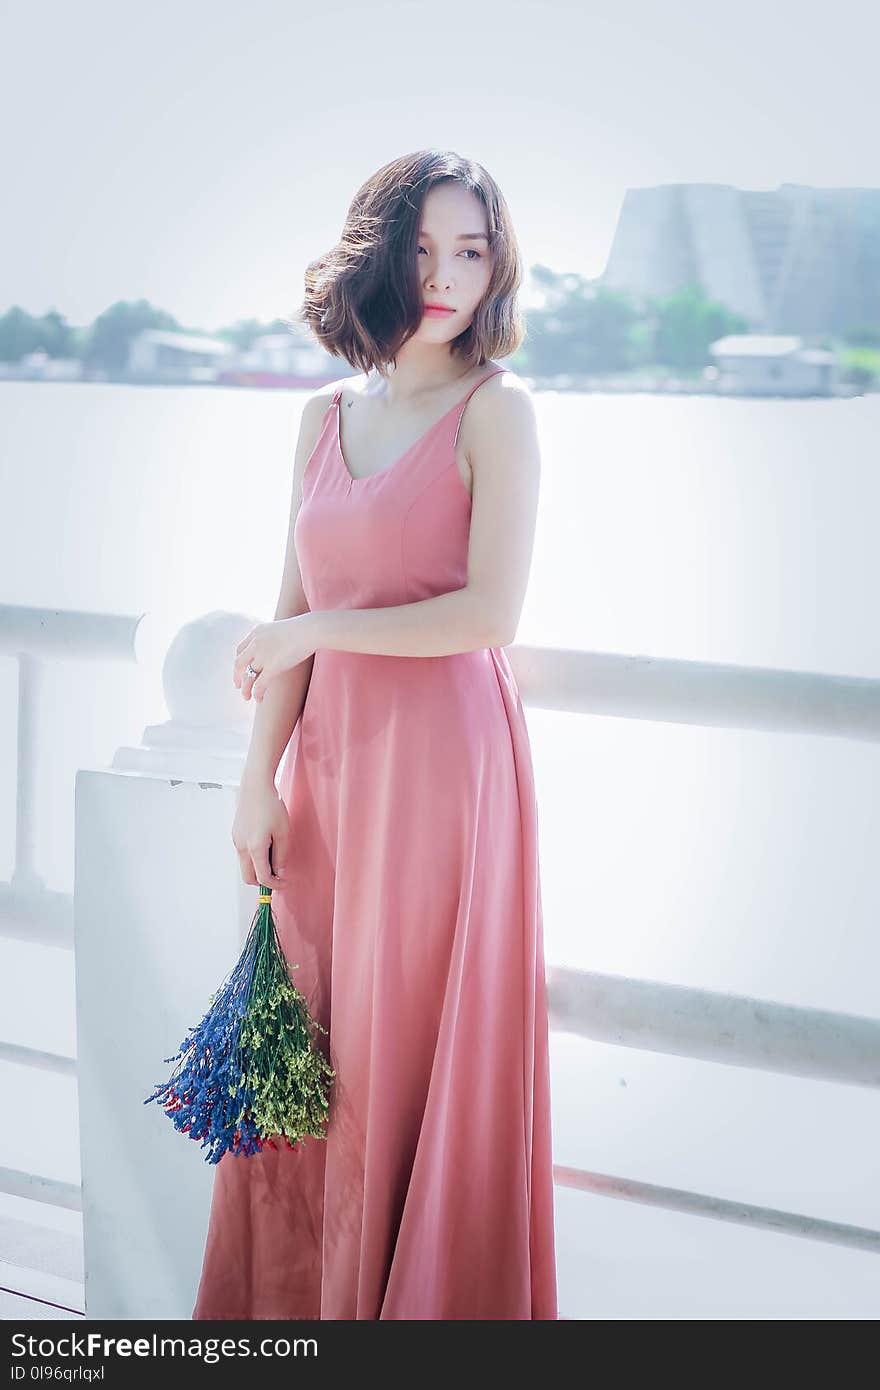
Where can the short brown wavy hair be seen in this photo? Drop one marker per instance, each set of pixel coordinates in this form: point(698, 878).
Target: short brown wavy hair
point(363, 299)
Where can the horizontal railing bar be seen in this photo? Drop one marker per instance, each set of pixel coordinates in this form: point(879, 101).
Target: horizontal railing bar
point(710, 1026)
point(69, 1195)
point(701, 1025)
point(67, 633)
point(43, 1061)
point(713, 694)
point(629, 686)
point(787, 1223)
point(38, 1189)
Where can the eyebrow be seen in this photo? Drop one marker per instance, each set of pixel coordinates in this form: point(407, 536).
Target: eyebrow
point(462, 236)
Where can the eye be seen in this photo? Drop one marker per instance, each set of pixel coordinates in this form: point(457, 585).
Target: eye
point(468, 251)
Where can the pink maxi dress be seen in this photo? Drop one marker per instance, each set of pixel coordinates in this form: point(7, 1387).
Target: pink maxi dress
point(412, 913)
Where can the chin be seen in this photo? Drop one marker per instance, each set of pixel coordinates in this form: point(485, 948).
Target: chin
point(443, 332)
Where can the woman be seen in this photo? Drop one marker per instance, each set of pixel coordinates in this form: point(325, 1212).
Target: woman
point(401, 846)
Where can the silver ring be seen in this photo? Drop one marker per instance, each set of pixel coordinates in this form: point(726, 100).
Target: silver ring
point(249, 671)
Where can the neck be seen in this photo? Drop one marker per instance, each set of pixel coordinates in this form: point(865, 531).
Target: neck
point(420, 372)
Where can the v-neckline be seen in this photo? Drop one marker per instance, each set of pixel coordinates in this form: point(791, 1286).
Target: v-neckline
point(368, 477)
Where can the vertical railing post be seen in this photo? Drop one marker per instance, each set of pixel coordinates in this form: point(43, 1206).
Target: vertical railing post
point(24, 874)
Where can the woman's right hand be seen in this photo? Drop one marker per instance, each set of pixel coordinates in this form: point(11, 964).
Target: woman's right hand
point(261, 824)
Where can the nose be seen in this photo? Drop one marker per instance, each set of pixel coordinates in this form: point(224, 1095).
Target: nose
point(440, 278)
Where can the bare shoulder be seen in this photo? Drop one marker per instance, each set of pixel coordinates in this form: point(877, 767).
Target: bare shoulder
point(317, 401)
point(311, 418)
point(501, 409)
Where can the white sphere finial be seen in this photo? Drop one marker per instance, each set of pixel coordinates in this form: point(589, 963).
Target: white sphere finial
point(197, 672)
point(206, 735)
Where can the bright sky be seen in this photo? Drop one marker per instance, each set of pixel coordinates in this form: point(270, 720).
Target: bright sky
point(199, 154)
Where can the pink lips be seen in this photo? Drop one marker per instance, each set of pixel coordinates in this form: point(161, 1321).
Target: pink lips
point(437, 311)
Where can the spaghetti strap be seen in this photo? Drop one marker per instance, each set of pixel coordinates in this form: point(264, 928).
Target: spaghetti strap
point(476, 386)
point(462, 404)
point(337, 395)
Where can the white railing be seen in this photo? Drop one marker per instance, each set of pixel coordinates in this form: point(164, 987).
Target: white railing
point(29, 911)
point(644, 1014)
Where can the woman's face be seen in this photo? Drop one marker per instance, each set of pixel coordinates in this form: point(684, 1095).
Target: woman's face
point(453, 258)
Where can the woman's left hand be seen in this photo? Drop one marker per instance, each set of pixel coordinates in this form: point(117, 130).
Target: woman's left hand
point(271, 649)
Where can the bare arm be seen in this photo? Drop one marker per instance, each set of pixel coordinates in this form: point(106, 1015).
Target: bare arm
point(504, 454)
point(276, 715)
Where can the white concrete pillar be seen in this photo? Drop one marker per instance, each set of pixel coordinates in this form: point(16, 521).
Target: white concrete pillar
point(160, 916)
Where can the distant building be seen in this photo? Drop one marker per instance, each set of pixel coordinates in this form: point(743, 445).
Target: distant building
point(165, 355)
point(795, 260)
point(291, 359)
point(39, 366)
point(752, 364)
point(284, 352)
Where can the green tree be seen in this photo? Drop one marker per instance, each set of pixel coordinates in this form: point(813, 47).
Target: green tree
point(686, 322)
point(57, 335)
point(581, 328)
point(112, 332)
point(19, 334)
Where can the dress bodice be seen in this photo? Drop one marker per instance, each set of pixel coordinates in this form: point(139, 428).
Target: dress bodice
point(390, 538)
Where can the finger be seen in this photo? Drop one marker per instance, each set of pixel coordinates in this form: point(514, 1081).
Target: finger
point(238, 667)
point(264, 670)
point(258, 688)
point(245, 681)
point(278, 855)
point(246, 865)
point(264, 869)
point(245, 652)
